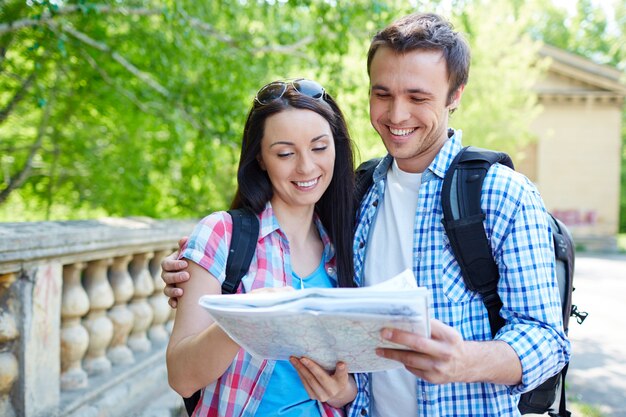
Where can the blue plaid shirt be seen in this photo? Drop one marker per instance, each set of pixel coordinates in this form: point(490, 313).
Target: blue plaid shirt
point(518, 230)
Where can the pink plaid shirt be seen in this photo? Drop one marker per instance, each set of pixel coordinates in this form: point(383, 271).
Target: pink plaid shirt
point(239, 390)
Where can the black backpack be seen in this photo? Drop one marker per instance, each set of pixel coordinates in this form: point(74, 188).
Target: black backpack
point(463, 222)
point(242, 246)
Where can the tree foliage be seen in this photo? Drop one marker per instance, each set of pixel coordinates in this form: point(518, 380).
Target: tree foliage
point(587, 29)
point(136, 107)
point(499, 103)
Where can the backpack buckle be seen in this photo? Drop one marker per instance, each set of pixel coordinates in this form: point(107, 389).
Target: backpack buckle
point(580, 315)
point(492, 299)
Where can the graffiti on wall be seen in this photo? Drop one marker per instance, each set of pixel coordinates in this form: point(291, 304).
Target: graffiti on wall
point(575, 217)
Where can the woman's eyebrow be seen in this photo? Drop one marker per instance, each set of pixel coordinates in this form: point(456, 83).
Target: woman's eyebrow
point(315, 139)
point(282, 142)
point(288, 143)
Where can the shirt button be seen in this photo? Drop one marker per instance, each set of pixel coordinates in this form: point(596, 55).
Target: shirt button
point(375, 203)
point(330, 270)
point(361, 244)
point(363, 412)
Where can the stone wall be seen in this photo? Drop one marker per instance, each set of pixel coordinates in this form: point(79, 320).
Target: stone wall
point(83, 321)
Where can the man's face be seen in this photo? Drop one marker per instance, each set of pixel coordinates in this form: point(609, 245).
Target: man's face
point(408, 104)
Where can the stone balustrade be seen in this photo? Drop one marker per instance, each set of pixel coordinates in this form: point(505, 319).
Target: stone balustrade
point(83, 320)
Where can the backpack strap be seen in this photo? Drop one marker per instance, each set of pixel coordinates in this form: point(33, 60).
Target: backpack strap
point(364, 177)
point(242, 246)
point(243, 242)
point(563, 411)
point(192, 402)
point(463, 222)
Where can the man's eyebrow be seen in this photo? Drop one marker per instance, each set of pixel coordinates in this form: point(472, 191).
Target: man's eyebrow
point(408, 90)
point(419, 91)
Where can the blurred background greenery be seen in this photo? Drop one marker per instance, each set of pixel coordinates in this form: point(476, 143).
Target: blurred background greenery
point(136, 108)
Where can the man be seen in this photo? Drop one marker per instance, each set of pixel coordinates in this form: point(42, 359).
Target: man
point(418, 68)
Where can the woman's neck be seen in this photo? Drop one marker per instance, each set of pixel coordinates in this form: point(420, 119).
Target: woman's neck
point(305, 243)
point(295, 221)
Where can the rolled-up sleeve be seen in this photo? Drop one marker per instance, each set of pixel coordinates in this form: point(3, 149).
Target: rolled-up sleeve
point(360, 406)
point(528, 287)
point(209, 242)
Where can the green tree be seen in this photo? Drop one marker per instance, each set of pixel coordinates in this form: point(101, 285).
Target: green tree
point(136, 107)
point(499, 103)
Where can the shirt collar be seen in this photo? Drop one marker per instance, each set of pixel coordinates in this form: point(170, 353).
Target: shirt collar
point(438, 167)
point(444, 157)
point(268, 221)
point(269, 224)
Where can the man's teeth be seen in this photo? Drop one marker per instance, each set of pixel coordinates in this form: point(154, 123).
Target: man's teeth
point(306, 183)
point(401, 132)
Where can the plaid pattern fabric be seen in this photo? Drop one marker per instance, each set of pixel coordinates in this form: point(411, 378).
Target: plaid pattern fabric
point(239, 391)
point(518, 230)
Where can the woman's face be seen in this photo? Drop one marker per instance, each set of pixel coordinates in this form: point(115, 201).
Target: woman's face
point(298, 153)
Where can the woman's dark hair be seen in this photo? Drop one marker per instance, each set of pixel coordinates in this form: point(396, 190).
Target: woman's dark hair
point(335, 207)
point(427, 31)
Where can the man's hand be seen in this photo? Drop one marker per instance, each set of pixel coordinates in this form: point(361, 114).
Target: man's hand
point(439, 360)
point(172, 273)
point(446, 357)
point(335, 388)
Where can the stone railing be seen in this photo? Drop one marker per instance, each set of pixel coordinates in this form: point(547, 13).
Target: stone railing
point(83, 321)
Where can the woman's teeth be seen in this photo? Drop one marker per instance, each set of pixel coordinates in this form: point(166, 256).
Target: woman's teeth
point(306, 183)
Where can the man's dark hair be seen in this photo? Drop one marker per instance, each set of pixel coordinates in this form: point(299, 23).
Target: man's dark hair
point(335, 207)
point(427, 31)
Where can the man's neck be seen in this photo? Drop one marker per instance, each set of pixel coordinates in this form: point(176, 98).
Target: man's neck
point(418, 164)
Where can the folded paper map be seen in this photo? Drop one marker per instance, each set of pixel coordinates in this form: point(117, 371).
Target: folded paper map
point(327, 325)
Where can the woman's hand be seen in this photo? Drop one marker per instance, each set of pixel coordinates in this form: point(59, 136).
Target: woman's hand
point(334, 388)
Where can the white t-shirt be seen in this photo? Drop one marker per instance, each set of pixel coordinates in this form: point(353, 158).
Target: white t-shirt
point(389, 252)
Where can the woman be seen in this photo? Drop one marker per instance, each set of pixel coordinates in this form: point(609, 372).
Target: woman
point(295, 172)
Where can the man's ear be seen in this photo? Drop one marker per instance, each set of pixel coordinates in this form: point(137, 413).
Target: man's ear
point(456, 98)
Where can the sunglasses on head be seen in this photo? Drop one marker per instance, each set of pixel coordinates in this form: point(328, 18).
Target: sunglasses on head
point(275, 90)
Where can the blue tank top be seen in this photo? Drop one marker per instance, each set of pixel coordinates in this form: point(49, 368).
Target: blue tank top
point(285, 395)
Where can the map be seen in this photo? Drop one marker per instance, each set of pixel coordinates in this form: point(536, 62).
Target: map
point(327, 325)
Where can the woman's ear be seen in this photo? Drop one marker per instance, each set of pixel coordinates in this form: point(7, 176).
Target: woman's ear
point(259, 159)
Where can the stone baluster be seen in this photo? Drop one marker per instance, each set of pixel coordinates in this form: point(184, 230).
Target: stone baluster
point(74, 337)
point(158, 301)
point(120, 314)
point(8, 361)
point(97, 323)
point(144, 287)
